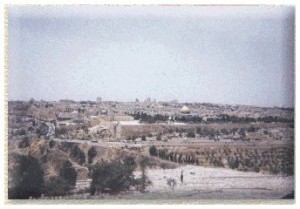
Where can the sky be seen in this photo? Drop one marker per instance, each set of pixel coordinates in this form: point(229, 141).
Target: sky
point(217, 54)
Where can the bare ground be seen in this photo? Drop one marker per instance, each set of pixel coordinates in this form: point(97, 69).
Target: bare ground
point(215, 183)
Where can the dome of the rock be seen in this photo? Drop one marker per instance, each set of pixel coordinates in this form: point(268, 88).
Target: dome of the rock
point(185, 110)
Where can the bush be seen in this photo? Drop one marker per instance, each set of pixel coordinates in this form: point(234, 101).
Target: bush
point(129, 162)
point(56, 186)
point(91, 154)
point(111, 177)
point(144, 181)
point(251, 129)
point(171, 182)
point(273, 169)
point(288, 170)
point(24, 143)
point(191, 134)
point(51, 143)
point(78, 154)
point(233, 163)
point(158, 137)
point(68, 173)
point(242, 132)
point(153, 150)
point(28, 178)
point(61, 131)
point(22, 132)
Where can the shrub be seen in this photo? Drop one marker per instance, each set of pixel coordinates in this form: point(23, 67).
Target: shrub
point(233, 163)
point(251, 129)
point(51, 143)
point(273, 169)
point(153, 150)
point(24, 143)
point(171, 182)
point(288, 170)
point(144, 179)
point(68, 173)
point(111, 177)
point(242, 132)
point(56, 186)
point(191, 134)
point(129, 162)
point(91, 154)
point(78, 154)
point(28, 178)
point(256, 168)
point(61, 131)
point(22, 132)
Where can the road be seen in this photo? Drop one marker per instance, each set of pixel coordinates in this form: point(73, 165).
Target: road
point(180, 143)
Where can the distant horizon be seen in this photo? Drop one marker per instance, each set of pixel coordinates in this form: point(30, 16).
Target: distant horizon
point(152, 99)
point(231, 55)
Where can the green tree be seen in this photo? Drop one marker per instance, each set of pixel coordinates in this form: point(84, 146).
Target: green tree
point(91, 154)
point(144, 179)
point(191, 134)
point(242, 132)
point(24, 143)
point(111, 177)
point(27, 178)
point(68, 173)
point(51, 143)
point(129, 162)
point(78, 154)
point(251, 129)
point(56, 186)
point(153, 150)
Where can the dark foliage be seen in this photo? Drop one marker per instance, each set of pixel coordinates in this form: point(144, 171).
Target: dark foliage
point(242, 132)
point(56, 186)
point(78, 154)
point(24, 143)
point(111, 177)
point(224, 118)
point(51, 143)
point(233, 163)
point(205, 132)
point(289, 196)
point(158, 137)
point(144, 117)
point(61, 131)
point(42, 130)
point(28, 179)
point(251, 129)
point(130, 163)
point(153, 151)
point(68, 173)
point(91, 154)
point(191, 134)
point(190, 119)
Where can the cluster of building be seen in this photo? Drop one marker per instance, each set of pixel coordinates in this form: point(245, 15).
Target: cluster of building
point(104, 119)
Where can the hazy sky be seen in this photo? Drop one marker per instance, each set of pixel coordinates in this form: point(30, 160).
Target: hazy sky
point(232, 55)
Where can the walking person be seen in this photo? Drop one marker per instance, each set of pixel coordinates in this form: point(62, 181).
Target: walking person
point(181, 176)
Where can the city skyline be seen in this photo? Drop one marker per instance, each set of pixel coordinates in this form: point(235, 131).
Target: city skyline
point(228, 55)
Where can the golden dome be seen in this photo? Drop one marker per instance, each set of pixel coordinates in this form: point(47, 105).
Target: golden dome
point(185, 110)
